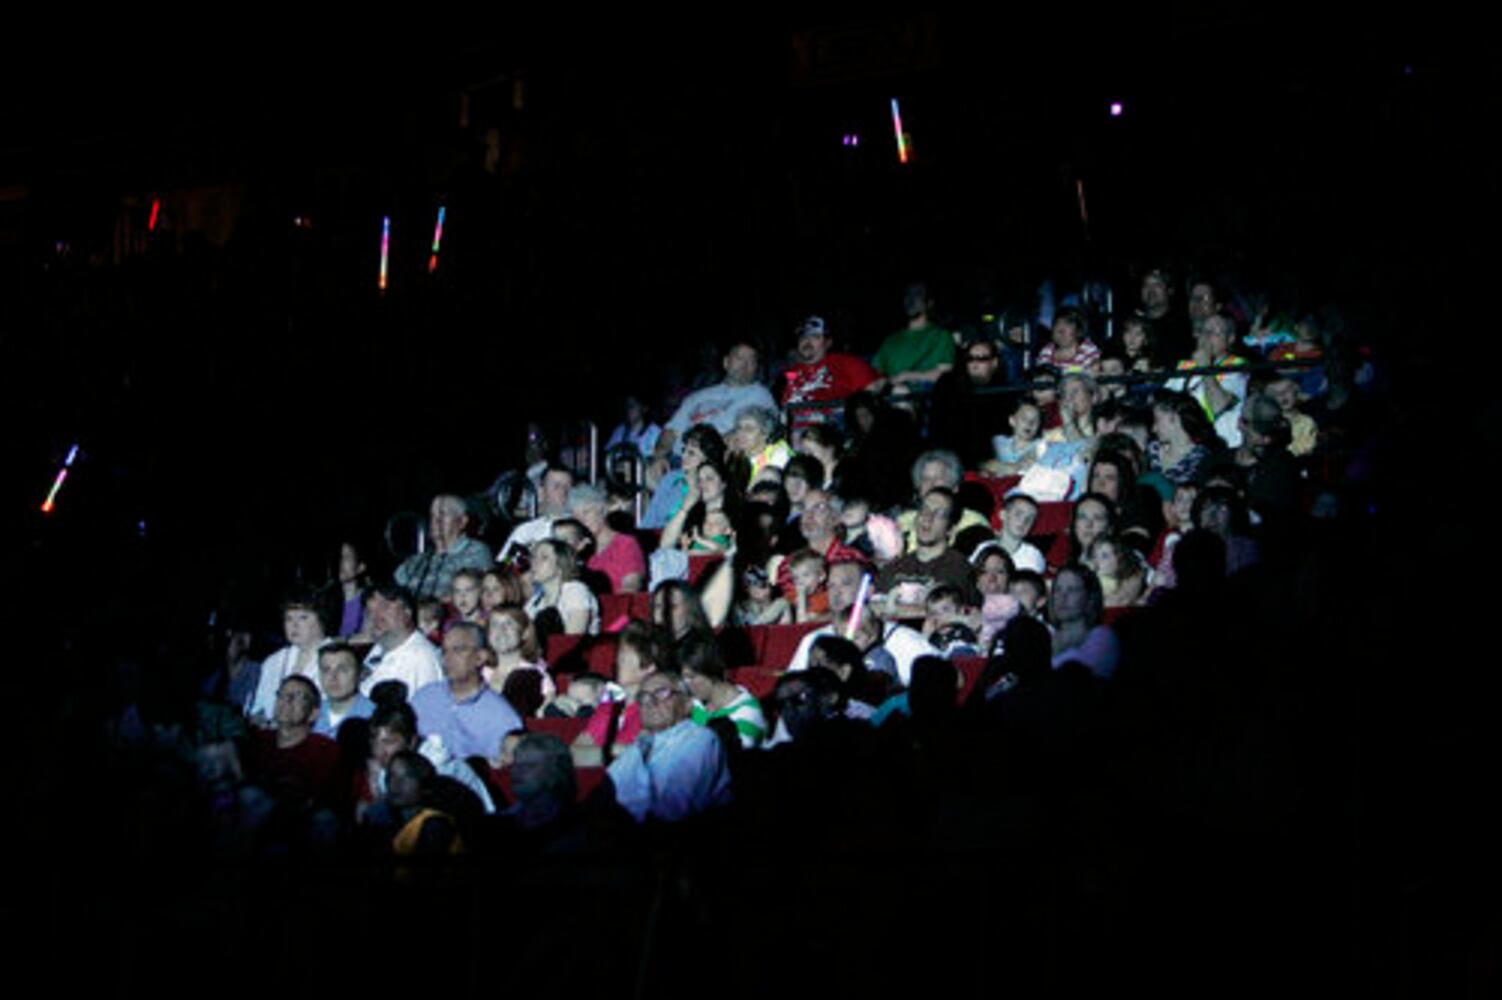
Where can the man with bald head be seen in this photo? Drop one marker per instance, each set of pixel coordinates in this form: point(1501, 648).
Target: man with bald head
point(431, 573)
point(819, 523)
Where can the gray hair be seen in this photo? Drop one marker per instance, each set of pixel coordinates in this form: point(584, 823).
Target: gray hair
point(586, 495)
point(559, 778)
point(453, 504)
point(945, 457)
point(765, 417)
point(482, 641)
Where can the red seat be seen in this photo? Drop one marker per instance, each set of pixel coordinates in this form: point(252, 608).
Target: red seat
point(617, 609)
point(566, 730)
point(970, 668)
point(1113, 615)
point(760, 681)
point(776, 644)
point(1053, 518)
point(699, 566)
point(560, 646)
point(998, 488)
point(595, 653)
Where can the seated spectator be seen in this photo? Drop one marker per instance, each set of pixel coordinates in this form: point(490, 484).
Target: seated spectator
point(1018, 515)
point(994, 570)
point(422, 829)
point(718, 404)
point(1138, 344)
point(431, 614)
point(962, 414)
point(809, 574)
point(1070, 349)
point(899, 645)
point(946, 612)
point(431, 573)
point(675, 769)
point(820, 526)
point(1017, 452)
point(916, 355)
point(1077, 398)
point(821, 442)
point(641, 650)
point(617, 554)
point(1113, 365)
point(1183, 439)
point(1093, 516)
point(339, 671)
point(401, 653)
point(353, 579)
point(1119, 569)
point(819, 376)
point(715, 695)
point(705, 523)
point(303, 626)
point(543, 784)
point(1031, 591)
point(932, 560)
point(1303, 432)
point(289, 762)
point(1075, 607)
point(465, 597)
point(560, 604)
point(636, 429)
point(1219, 511)
point(847, 662)
point(671, 493)
point(938, 469)
point(802, 474)
point(552, 503)
point(759, 604)
point(677, 608)
point(461, 710)
point(1219, 395)
point(393, 729)
point(513, 646)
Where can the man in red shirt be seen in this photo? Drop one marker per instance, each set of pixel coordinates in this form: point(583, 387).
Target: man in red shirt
point(820, 376)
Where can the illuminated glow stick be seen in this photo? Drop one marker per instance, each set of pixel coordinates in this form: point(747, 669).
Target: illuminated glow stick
point(156, 209)
point(897, 128)
point(437, 240)
point(859, 606)
point(385, 248)
point(49, 505)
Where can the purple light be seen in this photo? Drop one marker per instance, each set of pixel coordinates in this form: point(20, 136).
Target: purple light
point(1115, 109)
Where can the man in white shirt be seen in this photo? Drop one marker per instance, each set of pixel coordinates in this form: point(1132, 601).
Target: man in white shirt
point(401, 653)
point(717, 405)
point(552, 503)
point(905, 644)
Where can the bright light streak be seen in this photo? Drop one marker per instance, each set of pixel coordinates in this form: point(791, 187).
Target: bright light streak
point(897, 128)
point(50, 504)
point(156, 210)
point(437, 240)
point(385, 248)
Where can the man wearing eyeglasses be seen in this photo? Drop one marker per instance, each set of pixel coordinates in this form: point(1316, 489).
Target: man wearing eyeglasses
point(676, 768)
point(964, 418)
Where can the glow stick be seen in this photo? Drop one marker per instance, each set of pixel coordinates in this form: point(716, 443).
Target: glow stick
point(156, 209)
point(48, 505)
point(385, 248)
point(858, 606)
point(1079, 188)
point(437, 240)
point(897, 128)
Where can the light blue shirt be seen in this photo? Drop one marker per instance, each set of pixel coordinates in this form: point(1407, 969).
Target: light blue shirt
point(361, 708)
point(468, 728)
point(673, 774)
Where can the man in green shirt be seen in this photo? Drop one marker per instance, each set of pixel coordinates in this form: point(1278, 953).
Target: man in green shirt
point(919, 353)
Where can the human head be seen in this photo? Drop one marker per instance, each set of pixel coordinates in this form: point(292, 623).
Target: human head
point(813, 340)
point(1025, 421)
point(801, 474)
point(916, 301)
point(576, 536)
point(352, 568)
point(392, 613)
point(553, 560)
point(664, 700)
point(552, 499)
point(463, 653)
point(1076, 596)
point(714, 481)
point(1156, 293)
point(993, 569)
point(844, 584)
point(393, 728)
point(641, 650)
point(936, 515)
point(702, 665)
point(981, 362)
point(1029, 588)
point(1018, 515)
point(1203, 301)
point(821, 441)
point(1174, 411)
point(938, 467)
point(447, 518)
point(542, 768)
point(805, 698)
point(1218, 335)
point(302, 619)
point(740, 364)
point(409, 777)
point(1094, 515)
point(755, 426)
point(840, 656)
point(1110, 476)
point(820, 517)
point(676, 607)
point(589, 503)
point(701, 442)
point(1137, 337)
point(501, 587)
point(808, 570)
point(509, 630)
point(297, 703)
point(1077, 393)
point(465, 596)
point(1068, 328)
point(339, 671)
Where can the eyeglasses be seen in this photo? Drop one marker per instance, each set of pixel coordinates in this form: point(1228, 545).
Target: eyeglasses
point(978, 358)
point(656, 695)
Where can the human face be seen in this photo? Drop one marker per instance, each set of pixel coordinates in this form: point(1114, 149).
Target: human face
point(711, 484)
point(1112, 367)
point(662, 704)
point(818, 519)
point(1067, 601)
point(1183, 505)
point(504, 634)
point(980, 363)
point(701, 687)
point(1202, 304)
point(466, 595)
point(693, 457)
point(1076, 397)
point(403, 786)
point(740, 365)
point(1217, 337)
point(529, 767)
point(1027, 595)
point(844, 584)
point(1091, 520)
point(1154, 294)
point(338, 675)
point(752, 438)
point(1103, 559)
point(385, 743)
point(461, 656)
point(302, 627)
point(717, 525)
point(796, 700)
point(1019, 517)
point(1166, 425)
point(1285, 393)
point(933, 522)
point(796, 488)
point(350, 566)
point(544, 564)
point(934, 474)
point(1025, 422)
point(1133, 340)
point(294, 704)
point(812, 347)
point(1105, 479)
point(1066, 335)
point(555, 487)
point(992, 577)
point(445, 523)
point(808, 576)
point(491, 593)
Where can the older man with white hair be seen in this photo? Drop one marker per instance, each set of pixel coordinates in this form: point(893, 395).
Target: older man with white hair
point(431, 573)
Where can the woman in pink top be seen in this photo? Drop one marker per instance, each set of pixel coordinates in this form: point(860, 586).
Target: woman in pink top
point(617, 555)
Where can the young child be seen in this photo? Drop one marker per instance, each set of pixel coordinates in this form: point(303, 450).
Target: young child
point(948, 625)
point(465, 597)
point(717, 534)
point(1177, 519)
point(810, 591)
point(1018, 515)
point(1015, 454)
point(1029, 589)
point(758, 604)
point(430, 616)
